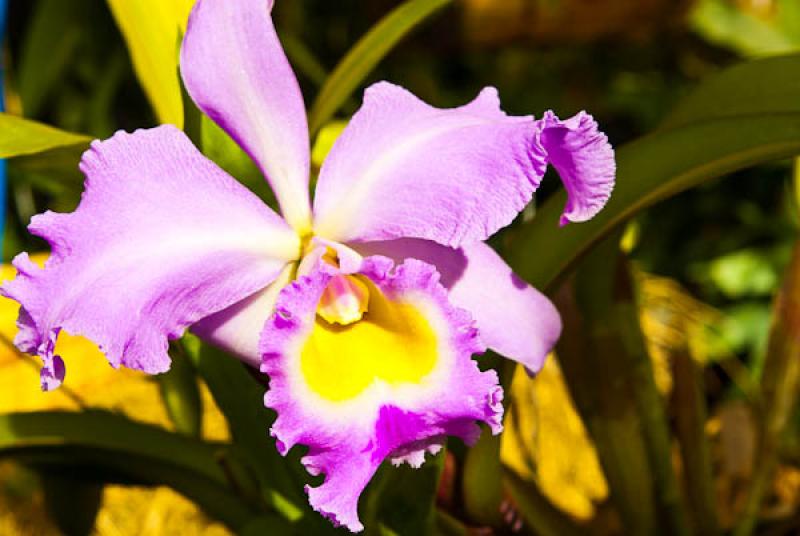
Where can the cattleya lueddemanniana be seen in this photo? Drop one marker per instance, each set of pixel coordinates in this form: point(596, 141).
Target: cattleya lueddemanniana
point(364, 310)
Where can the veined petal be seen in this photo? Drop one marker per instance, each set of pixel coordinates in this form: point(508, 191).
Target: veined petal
point(235, 70)
point(403, 168)
point(583, 158)
point(391, 385)
point(513, 318)
point(162, 238)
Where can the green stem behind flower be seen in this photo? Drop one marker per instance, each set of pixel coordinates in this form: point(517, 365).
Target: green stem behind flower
point(780, 385)
point(610, 378)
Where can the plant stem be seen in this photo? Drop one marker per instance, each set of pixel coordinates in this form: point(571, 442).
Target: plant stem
point(779, 386)
point(690, 421)
point(610, 378)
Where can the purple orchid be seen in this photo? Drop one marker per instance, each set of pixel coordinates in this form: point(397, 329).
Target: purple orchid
point(364, 311)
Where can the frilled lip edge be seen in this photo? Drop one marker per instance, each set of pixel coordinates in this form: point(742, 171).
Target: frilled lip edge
point(348, 440)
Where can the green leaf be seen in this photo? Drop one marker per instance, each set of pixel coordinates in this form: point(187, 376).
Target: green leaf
point(241, 400)
point(759, 87)
point(712, 133)
point(151, 29)
point(363, 57)
point(537, 511)
point(118, 449)
point(596, 364)
point(226, 153)
point(649, 170)
point(180, 394)
point(49, 45)
point(780, 388)
point(727, 24)
point(20, 136)
point(72, 500)
point(400, 500)
point(325, 140)
point(267, 524)
point(482, 481)
point(746, 272)
point(302, 59)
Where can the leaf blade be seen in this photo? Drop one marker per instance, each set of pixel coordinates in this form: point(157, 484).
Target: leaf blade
point(649, 170)
point(761, 87)
point(20, 136)
point(151, 29)
point(363, 57)
point(129, 452)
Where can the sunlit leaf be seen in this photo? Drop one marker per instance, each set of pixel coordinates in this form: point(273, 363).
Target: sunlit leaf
point(727, 24)
point(649, 170)
point(363, 57)
point(180, 11)
point(744, 272)
point(325, 140)
point(20, 136)
point(151, 30)
point(540, 420)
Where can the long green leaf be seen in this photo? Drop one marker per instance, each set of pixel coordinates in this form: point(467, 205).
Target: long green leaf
point(71, 500)
point(592, 356)
point(50, 42)
point(363, 57)
point(20, 136)
point(746, 115)
point(689, 407)
point(241, 400)
point(127, 451)
point(757, 87)
point(180, 394)
point(649, 170)
point(151, 29)
point(537, 511)
point(780, 386)
point(401, 500)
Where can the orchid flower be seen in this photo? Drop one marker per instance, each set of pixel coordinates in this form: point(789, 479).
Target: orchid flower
point(364, 309)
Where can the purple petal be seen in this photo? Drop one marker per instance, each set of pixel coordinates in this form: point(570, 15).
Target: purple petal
point(514, 319)
point(403, 168)
point(162, 238)
point(585, 161)
point(238, 328)
point(348, 439)
point(236, 72)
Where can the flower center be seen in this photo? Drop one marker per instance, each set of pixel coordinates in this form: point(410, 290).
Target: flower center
point(393, 342)
point(344, 301)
